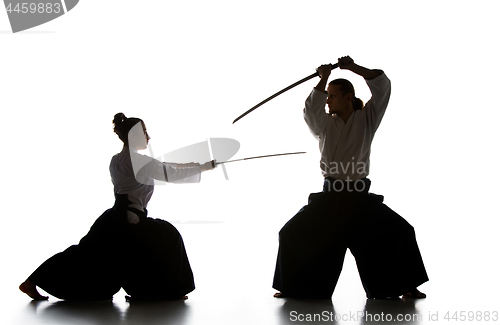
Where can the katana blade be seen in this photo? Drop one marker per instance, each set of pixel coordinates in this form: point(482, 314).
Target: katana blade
point(279, 154)
point(281, 92)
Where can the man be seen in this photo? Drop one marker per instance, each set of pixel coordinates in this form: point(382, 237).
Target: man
point(345, 215)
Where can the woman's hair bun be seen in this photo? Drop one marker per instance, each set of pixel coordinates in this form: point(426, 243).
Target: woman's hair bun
point(123, 125)
point(119, 118)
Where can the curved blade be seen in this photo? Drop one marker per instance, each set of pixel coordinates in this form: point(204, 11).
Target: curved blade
point(280, 92)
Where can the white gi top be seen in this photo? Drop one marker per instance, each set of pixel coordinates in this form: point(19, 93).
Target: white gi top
point(345, 147)
point(134, 174)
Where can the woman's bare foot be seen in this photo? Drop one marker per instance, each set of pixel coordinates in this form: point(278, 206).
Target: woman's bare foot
point(415, 293)
point(29, 288)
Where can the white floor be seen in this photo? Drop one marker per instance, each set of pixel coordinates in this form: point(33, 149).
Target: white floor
point(433, 160)
point(233, 266)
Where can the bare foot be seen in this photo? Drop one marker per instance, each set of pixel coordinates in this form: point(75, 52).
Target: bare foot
point(184, 298)
point(415, 293)
point(29, 288)
point(279, 295)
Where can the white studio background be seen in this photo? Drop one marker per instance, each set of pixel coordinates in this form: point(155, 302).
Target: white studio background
point(188, 68)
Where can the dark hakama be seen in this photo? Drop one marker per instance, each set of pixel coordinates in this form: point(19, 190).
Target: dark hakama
point(314, 242)
point(147, 259)
point(157, 266)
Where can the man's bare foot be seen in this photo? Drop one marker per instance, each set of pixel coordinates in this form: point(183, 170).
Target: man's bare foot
point(279, 295)
point(415, 293)
point(29, 288)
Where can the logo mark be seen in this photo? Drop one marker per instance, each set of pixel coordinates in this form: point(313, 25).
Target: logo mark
point(26, 14)
point(220, 149)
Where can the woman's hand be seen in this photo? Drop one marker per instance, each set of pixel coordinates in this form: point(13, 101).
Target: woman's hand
point(209, 165)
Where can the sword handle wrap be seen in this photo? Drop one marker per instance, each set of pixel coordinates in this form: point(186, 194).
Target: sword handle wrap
point(332, 66)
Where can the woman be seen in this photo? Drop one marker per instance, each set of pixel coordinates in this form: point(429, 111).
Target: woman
point(125, 248)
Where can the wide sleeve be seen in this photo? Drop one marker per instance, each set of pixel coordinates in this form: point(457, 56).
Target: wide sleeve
point(314, 112)
point(182, 175)
point(147, 168)
point(380, 87)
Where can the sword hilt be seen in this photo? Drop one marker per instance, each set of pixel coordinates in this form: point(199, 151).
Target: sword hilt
point(332, 66)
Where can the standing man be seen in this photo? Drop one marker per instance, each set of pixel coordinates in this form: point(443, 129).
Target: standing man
point(345, 215)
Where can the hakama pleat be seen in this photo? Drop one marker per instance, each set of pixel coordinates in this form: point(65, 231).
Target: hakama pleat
point(304, 240)
point(313, 243)
point(147, 259)
point(157, 265)
point(87, 271)
point(387, 255)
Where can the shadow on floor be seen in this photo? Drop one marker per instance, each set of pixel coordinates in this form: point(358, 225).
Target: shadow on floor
point(108, 313)
point(292, 311)
point(396, 311)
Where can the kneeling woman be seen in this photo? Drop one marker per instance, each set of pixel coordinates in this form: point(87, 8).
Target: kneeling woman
point(125, 248)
